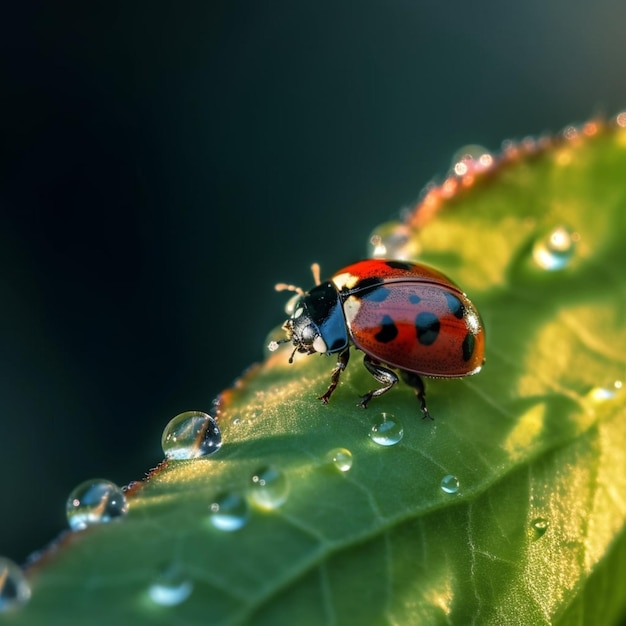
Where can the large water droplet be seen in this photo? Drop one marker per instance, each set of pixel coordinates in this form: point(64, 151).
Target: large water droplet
point(229, 511)
point(555, 249)
point(95, 502)
point(539, 526)
point(14, 588)
point(388, 431)
point(191, 435)
point(341, 458)
point(171, 587)
point(393, 240)
point(269, 488)
point(450, 484)
point(471, 160)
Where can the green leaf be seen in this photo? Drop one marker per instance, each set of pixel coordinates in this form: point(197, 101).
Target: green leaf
point(534, 534)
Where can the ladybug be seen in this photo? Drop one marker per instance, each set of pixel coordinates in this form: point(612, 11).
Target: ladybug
point(404, 316)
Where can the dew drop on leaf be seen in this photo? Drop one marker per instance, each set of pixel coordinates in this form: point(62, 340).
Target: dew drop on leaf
point(450, 484)
point(387, 432)
point(554, 250)
point(470, 159)
point(269, 487)
point(95, 501)
point(170, 587)
point(14, 588)
point(340, 458)
point(393, 240)
point(229, 511)
point(191, 435)
point(605, 393)
point(539, 526)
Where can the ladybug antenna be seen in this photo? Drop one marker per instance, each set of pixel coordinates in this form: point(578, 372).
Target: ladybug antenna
point(315, 270)
point(286, 287)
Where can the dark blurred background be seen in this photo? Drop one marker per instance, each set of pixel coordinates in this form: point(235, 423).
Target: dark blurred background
point(163, 164)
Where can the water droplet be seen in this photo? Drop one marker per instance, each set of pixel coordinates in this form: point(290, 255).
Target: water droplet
point(555, 250)
point(341, 458)
point(95, 502)
point(620, 119)
point(229, 511)
point(387, 432)
point(171, 587)
point(609, 392)
point(191, 435)
point(539, 526)
point(471, 160)
point(269, 487)
point(14, 588)
point(450, 484)
point(393, 240)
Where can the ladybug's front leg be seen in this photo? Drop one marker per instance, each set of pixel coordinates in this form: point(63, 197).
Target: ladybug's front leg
point(342, 362)
point(382, 374)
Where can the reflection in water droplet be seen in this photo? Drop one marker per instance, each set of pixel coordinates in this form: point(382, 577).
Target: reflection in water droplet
point(450, 484)
point(229, 511)
point(171, 587)
point(95, 502)
point(387, 432)
point(269, 487)
point(539, 526)
point(191, 435)
point(341, 458)
point(470, 160)
point(14, 588)
point(555, 250)
point(393, 240)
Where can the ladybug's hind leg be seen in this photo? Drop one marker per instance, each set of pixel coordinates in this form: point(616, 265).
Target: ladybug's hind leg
point(414, 380)
point(382, 374)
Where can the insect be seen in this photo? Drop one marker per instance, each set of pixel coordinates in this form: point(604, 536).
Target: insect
point(404, 316)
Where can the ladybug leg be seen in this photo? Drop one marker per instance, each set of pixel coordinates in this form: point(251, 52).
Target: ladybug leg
point(342, 362)
point(415, 381)
point(382, 374)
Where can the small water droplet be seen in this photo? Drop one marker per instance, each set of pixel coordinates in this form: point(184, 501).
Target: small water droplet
point(539, 526)
point(341, 458)
point(229, 511)
point(95, 502)
point(608, 392)
point(450, 484)
point(470, 160)
point(388, 431)
point(555, 250)
point(14, 588)
point(191, 435)
point(393, 240)
point(171, 587)
point(269, 488)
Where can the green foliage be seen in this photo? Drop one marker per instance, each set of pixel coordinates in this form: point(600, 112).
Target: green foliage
point(537, 440)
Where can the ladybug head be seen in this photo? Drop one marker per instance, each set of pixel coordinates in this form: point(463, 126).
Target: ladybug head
point(303, 332)
point(317, 323)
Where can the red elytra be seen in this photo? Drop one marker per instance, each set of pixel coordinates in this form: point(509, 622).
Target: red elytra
point(405, 316)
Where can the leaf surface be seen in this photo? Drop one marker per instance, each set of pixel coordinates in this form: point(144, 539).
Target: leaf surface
point(537, 440)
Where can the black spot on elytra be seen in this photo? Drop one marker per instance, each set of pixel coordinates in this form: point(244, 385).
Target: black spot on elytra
point(427, 326)
point(399, 265)
point(366, 286)
point(388, 330)
point(468, 346)
point(414, 299)
point(455, 305)
point(379, 294)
